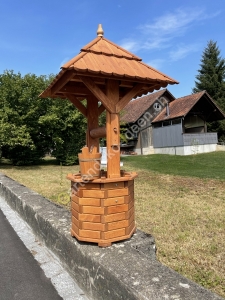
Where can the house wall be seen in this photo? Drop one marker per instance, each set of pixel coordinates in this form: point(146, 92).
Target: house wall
point(144, 144)
point(190, 139)
point(168, 136)
point(172, 140)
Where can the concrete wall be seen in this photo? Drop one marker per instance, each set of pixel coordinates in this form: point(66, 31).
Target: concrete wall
point(186, 150)
point(127, 270)
point(145, 151)
point(220, 148)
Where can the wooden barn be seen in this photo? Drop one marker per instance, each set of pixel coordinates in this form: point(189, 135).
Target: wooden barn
point(181, 129)
point(159, 123)
point(137, 120)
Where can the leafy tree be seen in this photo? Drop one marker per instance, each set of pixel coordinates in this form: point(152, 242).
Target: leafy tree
point(20, 136)
point(66, 127)
point(211, 77)
point(32, 126)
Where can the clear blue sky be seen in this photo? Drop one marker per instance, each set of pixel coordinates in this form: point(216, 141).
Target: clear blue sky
point(38, 36)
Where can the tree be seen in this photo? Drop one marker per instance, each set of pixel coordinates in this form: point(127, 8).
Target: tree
point(66, 128)
point(211, 77)
point(20, 108)
point(31, 126)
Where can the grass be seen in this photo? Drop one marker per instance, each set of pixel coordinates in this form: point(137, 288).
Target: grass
point(179, 200)
point(208, 165)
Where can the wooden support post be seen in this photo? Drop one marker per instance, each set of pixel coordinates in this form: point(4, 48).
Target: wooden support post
point(92, 123)
point(113, 132)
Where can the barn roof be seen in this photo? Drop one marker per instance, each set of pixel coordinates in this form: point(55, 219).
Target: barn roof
point(200, 103)
point(136, 108)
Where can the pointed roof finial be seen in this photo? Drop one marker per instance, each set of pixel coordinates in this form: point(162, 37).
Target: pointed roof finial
point(100, 31)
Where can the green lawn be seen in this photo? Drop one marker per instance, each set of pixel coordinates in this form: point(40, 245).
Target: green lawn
point(207, 165)
point(180, 200)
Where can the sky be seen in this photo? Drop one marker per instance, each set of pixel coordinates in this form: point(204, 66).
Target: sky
point(38, 36)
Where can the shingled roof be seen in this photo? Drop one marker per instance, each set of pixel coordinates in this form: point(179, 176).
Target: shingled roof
point(201, 102)
point(100, 60)
point(102, 56)
point(136, 108)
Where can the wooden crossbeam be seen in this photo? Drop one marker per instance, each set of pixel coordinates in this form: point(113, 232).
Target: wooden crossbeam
point(101, 109)
point(125, 100)
point(98, 93)
point(77, 103)
point(62, 81)
point(75, 90)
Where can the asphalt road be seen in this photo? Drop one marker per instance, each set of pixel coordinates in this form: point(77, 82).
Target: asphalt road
point(21, 278)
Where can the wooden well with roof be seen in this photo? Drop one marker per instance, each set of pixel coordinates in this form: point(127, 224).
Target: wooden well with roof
point(108, 77)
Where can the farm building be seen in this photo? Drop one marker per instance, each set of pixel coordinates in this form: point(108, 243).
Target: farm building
point(169, 125)
point(137, 119)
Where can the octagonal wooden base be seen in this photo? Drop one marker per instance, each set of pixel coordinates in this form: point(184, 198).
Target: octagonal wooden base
point(103, 209)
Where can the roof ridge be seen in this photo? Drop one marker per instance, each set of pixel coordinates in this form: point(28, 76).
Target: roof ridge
point(151, 94)
point(73, 60)
point(91, 43)
point(201, 92)
point(122, 49)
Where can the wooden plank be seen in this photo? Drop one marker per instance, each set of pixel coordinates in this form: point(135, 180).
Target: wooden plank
point(90, 234)
point(101, 109)
point(126, 176)
point(92, 123)
point(75, 206)
point(131, 204)
point(117, 225)
point(113, 233)
point(86, 217)
point(130, 228)
point(90, 186)
point(114, 201)
point(94, 210)
point(113, 145)
point(77, 104)
point(112, 91)
point(126, 99)
point(75, 90)
point(75, 221)
point(74, 198)
point(75, 228)
point(129, 183)
point(118, 192)
point(89, 201)
point(93, 194)
point(113, 132)
point(62, 81)
point(131, 220)
point(117, 209)
point(112, 185)
point(129, 213)
point(98, 93)
point(93, 226)
point(114, 217)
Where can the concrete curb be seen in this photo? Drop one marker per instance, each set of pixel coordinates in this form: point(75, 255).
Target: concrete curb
point(127, 270)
